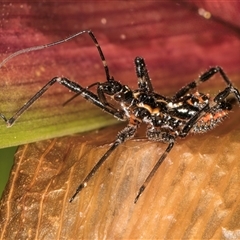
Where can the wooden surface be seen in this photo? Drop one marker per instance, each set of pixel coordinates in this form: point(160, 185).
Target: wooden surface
point(194, 195)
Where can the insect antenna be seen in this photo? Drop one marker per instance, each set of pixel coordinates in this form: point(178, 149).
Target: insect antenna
point(36, 48)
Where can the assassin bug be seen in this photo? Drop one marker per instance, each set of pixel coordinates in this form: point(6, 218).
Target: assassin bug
point(166, 118)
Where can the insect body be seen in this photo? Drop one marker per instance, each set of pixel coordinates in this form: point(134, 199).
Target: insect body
point(166, 118)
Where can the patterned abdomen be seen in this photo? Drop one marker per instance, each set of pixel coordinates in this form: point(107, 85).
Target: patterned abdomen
point(209, 121)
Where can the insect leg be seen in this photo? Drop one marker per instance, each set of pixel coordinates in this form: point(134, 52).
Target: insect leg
point(127, 133)
point(155, 168)
point(144, 82)
point(224, 94)
point(77, 94)
point(85, 93)
point(205, 77)
point(188, 126)
point(220, 104)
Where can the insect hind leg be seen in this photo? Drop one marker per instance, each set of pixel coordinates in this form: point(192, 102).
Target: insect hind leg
point(126, 134)
point(203, 78)
point(156, 136)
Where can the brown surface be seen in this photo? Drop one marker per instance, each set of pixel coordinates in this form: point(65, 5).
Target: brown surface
point(194, 195)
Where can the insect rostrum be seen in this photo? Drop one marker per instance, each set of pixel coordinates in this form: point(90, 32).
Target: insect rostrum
point(166, 118)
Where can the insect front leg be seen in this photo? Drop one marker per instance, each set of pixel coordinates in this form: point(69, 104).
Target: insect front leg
point(13, 119)
point(85, 93)
point(109, 88)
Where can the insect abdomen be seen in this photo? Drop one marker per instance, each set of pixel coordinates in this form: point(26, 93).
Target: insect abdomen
point(209, 121)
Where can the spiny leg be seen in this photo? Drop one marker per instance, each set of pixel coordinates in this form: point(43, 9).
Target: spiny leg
point(155, 168)
point(227, 91)
point(204, 77)
point(144, 82)
point(77, 94)
point(127, 133)
point(109, 88)
point(85, 93)
point(100, 93)
point(190, 123)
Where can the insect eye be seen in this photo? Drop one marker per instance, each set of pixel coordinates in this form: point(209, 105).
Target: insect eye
point(111, 87)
